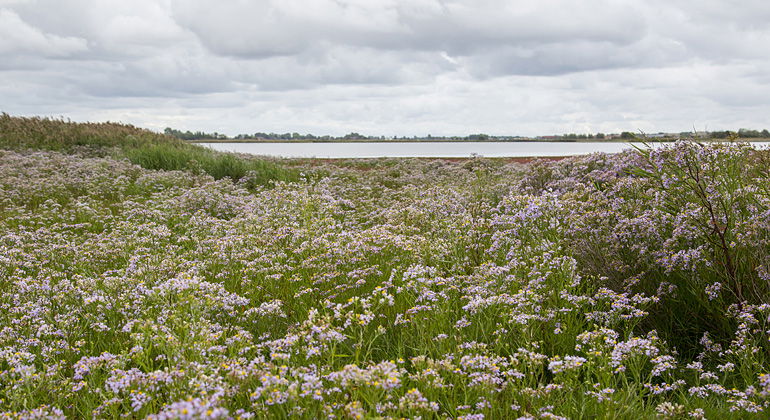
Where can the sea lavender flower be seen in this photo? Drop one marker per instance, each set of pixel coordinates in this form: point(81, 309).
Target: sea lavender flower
point(558, 365)
point(192, 408)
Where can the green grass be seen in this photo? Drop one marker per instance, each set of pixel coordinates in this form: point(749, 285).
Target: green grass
point(390, 289)
point(142, 147)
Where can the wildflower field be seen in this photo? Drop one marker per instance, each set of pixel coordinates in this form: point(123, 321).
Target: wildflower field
point(609, 286)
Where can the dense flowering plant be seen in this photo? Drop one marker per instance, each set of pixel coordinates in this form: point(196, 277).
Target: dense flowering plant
point(605, 286)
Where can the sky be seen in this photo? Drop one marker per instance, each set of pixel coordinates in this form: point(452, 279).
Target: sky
point(390, 67)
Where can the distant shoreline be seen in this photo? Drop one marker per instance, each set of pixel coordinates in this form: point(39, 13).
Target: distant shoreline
point(636, 140)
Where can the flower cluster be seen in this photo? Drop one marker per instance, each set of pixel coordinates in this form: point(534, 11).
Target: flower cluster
point(619, 286)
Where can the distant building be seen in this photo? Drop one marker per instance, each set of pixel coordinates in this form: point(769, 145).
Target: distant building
point(656, 135)
point(696, 134)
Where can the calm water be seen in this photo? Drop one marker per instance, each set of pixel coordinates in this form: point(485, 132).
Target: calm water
point(439, 149)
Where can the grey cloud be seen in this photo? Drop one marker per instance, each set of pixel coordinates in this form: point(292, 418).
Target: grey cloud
point(158, 76)
point(344, 66)
point(390, 66)
point(17, 37)
point(560, 58)
point(270, 27)
point(113, 29)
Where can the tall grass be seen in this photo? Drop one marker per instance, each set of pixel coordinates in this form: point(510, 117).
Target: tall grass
point(597, 287)
point(143, 147)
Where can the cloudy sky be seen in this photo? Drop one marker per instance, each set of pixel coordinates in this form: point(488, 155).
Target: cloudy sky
point(390, 67)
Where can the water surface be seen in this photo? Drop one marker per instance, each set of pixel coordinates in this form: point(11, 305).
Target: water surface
point(425, 149)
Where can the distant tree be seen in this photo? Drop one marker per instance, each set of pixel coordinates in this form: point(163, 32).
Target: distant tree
point(188, 135)
point(720, 134)
point(745, 133)
point(627, 135)
point(600, 135)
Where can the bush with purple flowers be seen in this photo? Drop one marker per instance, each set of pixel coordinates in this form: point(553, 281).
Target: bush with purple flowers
point(607, 286)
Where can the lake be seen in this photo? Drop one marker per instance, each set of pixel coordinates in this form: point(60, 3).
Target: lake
point(425, 149)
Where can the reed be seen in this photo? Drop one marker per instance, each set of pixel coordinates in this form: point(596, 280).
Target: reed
point(143, 147)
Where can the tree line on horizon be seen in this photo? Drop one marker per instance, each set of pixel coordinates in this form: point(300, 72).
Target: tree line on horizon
point(724, 134)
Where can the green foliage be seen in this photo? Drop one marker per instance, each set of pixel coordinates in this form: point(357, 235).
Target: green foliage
point(388, 289)
point(142, 147)
point(742, 133)
point(189, 135)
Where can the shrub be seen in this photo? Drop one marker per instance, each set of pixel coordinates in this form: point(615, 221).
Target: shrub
point(142, 147)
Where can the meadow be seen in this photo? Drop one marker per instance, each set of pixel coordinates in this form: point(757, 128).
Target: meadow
point(135, 283)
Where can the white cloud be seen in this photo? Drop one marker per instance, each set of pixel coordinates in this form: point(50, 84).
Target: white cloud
point(266, 28)
point(390, 66)
point(18, 37)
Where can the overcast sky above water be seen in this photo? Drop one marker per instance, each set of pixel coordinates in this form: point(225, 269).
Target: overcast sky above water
point(390, 67)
